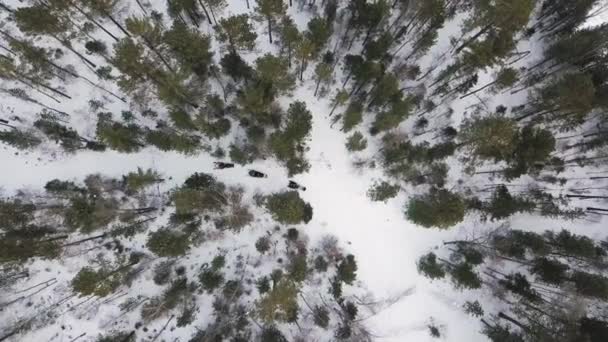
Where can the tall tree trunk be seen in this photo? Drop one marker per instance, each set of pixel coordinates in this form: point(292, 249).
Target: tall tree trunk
point(193, 17)
point(317, 87)
point(94, 22)
point(270, 29)
point(67, 46)
point(116, 23)
point(289, 54)
point(207, 13)
point(350, 74)
point(38, 83)
point(219, 81)
point(478, 90)
point(247, 1)
point(472, 39)
point(6, 8)
point(31, 100)
point(213, 15)
point(143, 9)
point(157, 53)
point(513, 320)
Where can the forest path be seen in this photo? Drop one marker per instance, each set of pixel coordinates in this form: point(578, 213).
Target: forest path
point(385, 244)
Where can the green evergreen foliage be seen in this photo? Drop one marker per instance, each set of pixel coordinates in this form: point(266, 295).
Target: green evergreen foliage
point(242, 155)
point(321, 317)
point(356, 142)
point(58, 186)
point(268, 11)
point(262, 244)
point(464, 277)
point(238, 32)
point(22, 243)
point(503, 204)
point(190, 48)
point(298, 268)
point(139, 180)
point(533, 150)
point(67, 137)
point(572, 94)
point(550, 271)
point(429, 267)
point(279, 303)
point(383, 191)
point(96, 46)
point(234, 66)
point(118, 136)
point(321, 264)
point(20, 139)
point(319, 31)
point(591, 285)
point(347, 269)
point(212, 277)
point(473, 308)
point(352, 116)
point(167, 139)
point(438, 208)
point(398, 110)
point(118, 336)
point(288, 144)
point(492, 137)
point(166, 242)
point(288, 208)
point(88, 214)
point(98, 283)
point(272, 334)
point(274, 71)
point(201, 193)
point(263, 285)
point(37, 20)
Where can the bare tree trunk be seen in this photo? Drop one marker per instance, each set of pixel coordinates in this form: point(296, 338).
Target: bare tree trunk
point(116, 23)
point(207, 13)
point(163, 328)
point(143, 9)
point(478, 90)
point(317, 87)
point(29, 99)
point(94, 21)
point(472, 39)
point(270, 29)
point(512, 320)
point(69, 47)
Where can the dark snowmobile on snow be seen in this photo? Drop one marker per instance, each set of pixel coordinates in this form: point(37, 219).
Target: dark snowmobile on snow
point(222, 165)
point(257, 174)
point(295, 186)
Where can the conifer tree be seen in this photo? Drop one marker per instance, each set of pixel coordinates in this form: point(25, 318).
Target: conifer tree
point(269, 11)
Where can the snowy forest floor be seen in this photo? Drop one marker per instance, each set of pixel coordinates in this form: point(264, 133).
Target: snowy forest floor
point(385, 244)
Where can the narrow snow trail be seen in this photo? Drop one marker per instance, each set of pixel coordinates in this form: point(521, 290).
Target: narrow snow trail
point(385, 244)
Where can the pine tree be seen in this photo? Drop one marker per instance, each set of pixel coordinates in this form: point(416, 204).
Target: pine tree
point(489, 137)
point(269, 11)
point(438, 208)
point(238, 32)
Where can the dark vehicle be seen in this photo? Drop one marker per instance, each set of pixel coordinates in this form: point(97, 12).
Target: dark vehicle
point(222, 165)
point(295, 186)
point(257, 174)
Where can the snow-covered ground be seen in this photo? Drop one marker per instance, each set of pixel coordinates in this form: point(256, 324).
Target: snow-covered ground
point(386, 245)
